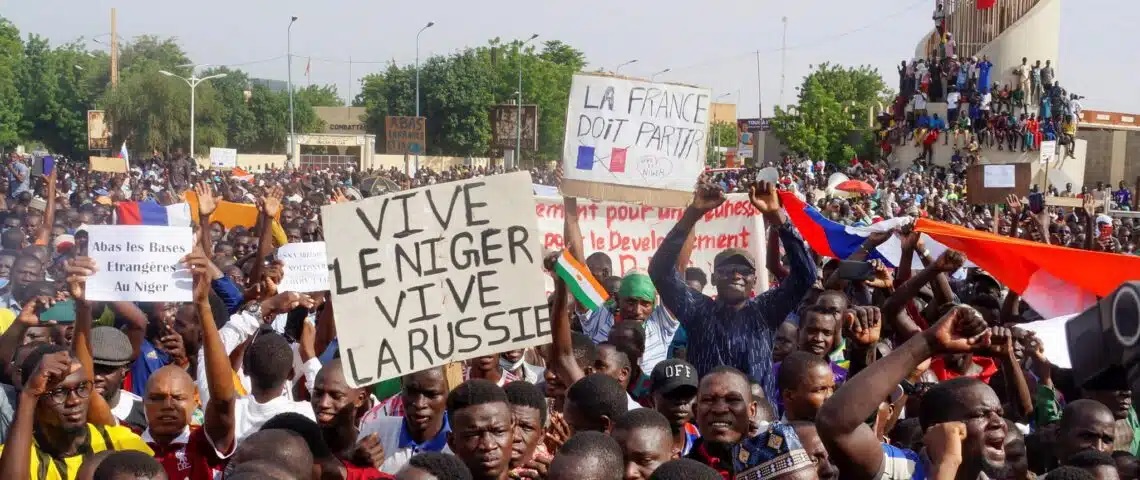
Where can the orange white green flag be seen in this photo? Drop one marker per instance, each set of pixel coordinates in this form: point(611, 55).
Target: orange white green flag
point(581, 283)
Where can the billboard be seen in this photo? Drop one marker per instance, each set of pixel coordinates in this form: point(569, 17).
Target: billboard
point(503, 132)
point(98, 135)
point(746, 129)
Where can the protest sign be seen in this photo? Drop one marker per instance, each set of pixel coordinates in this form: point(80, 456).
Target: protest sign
point(634, 141)
point(405, 135)
point(992, 183)
point(223, 157)
point(305, 267)
point(630, 234)
point(433, 275)
point(140, 263)
point(108, 164)
point(1048, 151)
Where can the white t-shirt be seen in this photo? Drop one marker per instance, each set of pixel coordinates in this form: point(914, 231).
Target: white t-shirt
point(952, 100)
point(249, 415)
point(919, 101)
point(986, 99)
point(388, 430)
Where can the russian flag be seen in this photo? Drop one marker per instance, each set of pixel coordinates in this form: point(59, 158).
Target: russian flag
point(151, 213)
point(836, 240)
point(123, 153)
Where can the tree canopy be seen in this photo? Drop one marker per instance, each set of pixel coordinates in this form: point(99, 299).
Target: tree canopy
point(834, 102)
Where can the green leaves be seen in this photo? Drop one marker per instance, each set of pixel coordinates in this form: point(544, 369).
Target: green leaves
point(833, 107)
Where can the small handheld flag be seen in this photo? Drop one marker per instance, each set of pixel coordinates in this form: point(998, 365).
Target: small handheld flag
point(580, 281)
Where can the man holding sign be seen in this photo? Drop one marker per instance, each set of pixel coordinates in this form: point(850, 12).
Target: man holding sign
point(733, 329)
point(459, 276)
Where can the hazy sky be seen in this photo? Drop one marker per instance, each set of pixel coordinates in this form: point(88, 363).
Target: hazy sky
point(709, 43)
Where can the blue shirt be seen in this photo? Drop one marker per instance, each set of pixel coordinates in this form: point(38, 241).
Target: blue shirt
point(937, 124)
point(722, 335)
point(434, 444)
point(149, 361)
point(228, 291)
point(923, 122)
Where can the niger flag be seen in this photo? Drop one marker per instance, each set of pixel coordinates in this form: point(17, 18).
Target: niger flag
point(1054, 280)
point(986, 4)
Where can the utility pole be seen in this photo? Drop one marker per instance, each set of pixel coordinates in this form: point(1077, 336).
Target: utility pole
point(783, 59)
point(348, 101)
point(114, 50)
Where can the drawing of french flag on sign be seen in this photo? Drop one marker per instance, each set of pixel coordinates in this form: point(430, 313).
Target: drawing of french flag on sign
point(586, 159)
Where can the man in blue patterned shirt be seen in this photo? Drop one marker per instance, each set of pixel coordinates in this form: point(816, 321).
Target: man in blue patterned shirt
point(734, 329)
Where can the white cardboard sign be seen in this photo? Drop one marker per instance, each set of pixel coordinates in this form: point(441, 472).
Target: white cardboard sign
point(140, 263)
point(305, 267)
point(635, 133)
point(433, 275)
point(223, 157)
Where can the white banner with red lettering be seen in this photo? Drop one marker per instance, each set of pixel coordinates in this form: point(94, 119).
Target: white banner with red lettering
point(630, 234)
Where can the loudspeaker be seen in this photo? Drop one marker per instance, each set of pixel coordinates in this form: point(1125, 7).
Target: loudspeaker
point(1103, 339)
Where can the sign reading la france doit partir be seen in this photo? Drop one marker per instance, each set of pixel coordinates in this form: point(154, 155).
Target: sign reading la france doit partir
point(634, 133)
point(433, 275)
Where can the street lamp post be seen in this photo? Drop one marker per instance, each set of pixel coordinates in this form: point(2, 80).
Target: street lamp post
point(631, 62)
point(519, 106)
point(193, 82)
point(654, 76)
point(289, 61)
point(429, 24)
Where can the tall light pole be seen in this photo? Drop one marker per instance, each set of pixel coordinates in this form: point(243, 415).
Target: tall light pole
point(655, 74)
point(193, 82)
point(519, 107)
point(429, 24)
point(631, 62)
point(289, 61)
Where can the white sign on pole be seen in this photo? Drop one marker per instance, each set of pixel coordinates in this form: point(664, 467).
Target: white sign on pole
point(305, 267)
point(634, 133)
point(140, 263)
point(630, 234)
point(223, 157)
point(1048, 151)
point(998, 176)
point(425, 277)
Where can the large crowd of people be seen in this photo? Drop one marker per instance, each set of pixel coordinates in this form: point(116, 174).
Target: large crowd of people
point(902, 374)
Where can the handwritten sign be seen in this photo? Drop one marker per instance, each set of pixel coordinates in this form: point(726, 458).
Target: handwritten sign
point(632, 134)
point(433, 275)
point(223, 157)
point(305, 267)
point(405, 135)
point(109, 164)
point(140, 263)
point(630, 234)
point(1048, 151)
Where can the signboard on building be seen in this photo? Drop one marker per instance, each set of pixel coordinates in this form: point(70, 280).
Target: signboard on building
point(405, 135)
point(342, 120)
point(98, 135)
point(223, 157)
point(504, 133)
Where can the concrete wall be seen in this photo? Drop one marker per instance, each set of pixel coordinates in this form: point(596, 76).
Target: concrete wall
point(250, 162)
point(253, 162)
point(1036, 36)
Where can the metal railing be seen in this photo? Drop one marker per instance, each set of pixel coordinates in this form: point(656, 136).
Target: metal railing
point(328, 161)
point(973, 29)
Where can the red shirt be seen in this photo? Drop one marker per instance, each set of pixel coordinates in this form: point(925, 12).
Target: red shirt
point(191, 456)
point(987, 364)
point(357, 472)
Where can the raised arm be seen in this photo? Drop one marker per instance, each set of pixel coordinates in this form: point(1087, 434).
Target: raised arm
point(678, 298)
point(562, 352)
point(52, 370)
point(774, 264)
point(44, 232)
point(780, 301)
point(78, 269)
point(572, 231)
point(852, 443)
point(219, 422)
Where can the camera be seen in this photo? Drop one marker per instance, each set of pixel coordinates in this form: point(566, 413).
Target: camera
point(1104, 341)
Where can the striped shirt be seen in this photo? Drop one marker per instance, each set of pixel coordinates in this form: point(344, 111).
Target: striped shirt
point(659, 330)
point(722, 335)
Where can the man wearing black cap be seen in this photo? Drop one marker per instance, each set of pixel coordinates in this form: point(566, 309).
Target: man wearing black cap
point(111, 354)
point(735, 329)
point(673, 385)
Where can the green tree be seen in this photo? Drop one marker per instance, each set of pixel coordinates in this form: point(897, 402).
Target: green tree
point(319, 96)
point(721, 134)
point(11, 103)
point(832, 109)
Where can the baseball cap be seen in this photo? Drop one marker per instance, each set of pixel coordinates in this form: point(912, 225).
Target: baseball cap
point(734, 255)
point(672, 374)
point(110, 347)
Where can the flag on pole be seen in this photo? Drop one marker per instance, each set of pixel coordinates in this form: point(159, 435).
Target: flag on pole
point(123, 153)
point(581, 283)
point(986, 4)
point(150, 212)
